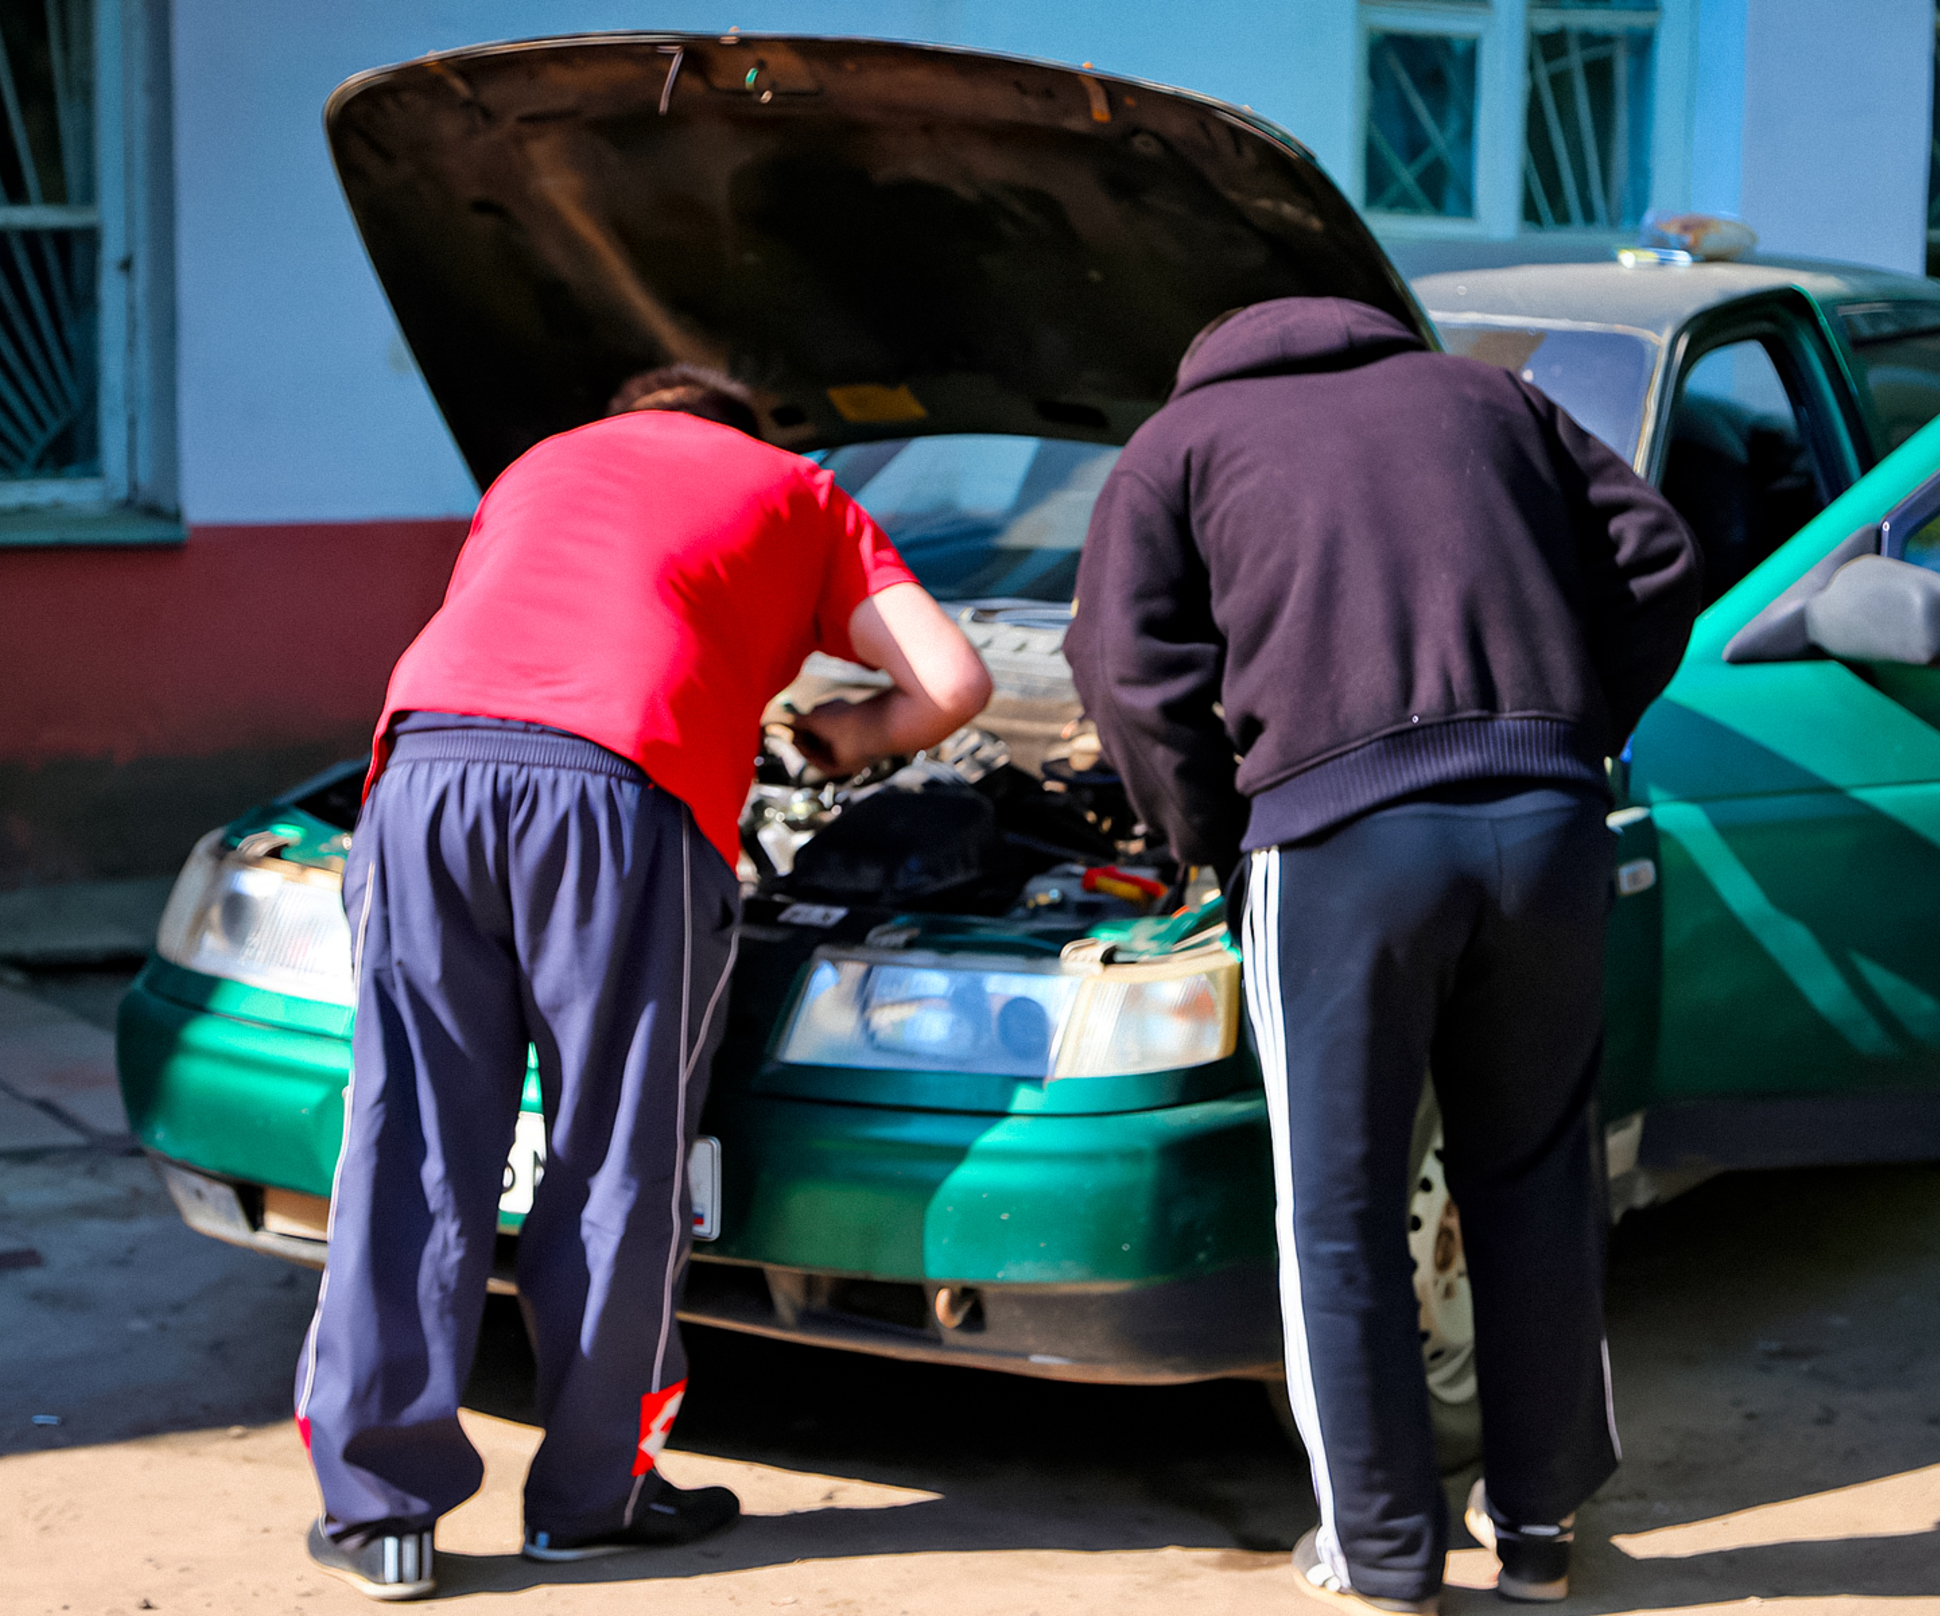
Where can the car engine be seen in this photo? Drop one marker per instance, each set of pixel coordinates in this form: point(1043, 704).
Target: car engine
point(1018, 816)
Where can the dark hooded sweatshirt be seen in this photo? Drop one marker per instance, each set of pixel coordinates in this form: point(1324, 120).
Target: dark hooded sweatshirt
point(1389, 569)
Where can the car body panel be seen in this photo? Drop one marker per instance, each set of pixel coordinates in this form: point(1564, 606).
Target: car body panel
point(245, 1099)
point(1799, 807)
point(882, 239)
point(1796, 803)
point(1128, 1198)
point(1656, 299)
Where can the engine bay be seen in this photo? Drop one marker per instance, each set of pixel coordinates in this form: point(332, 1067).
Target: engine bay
point(1017, 816)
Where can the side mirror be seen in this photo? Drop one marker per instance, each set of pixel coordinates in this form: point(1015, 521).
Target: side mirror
point(1877, 610)
point(1778, 633)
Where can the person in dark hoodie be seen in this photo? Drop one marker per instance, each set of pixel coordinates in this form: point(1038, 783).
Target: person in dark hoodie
point(1374, 617)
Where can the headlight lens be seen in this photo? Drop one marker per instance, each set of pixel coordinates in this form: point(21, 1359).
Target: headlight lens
point(263, 921)
point(1014, 1018)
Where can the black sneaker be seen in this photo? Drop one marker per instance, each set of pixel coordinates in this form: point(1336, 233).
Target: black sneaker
point(1535, 1560)
point(382, 1565)
point(659, 1516)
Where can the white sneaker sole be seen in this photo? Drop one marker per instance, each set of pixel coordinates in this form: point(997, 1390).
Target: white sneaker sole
point(387, 1592)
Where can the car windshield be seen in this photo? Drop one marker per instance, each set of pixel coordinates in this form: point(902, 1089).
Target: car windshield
point(1600, 377)
point(978, 516)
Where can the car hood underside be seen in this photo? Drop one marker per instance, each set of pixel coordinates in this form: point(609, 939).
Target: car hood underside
point(881, 239)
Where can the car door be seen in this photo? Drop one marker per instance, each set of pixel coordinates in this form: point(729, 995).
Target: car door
point(1796, 803)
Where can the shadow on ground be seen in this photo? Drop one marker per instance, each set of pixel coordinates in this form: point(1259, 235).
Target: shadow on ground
point(1776, 1339)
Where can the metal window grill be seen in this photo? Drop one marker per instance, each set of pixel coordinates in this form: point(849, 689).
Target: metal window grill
point(1421, 124)
point(50, 233)
point(1586, 148)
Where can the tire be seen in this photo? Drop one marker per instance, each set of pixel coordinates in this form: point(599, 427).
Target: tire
point(1443, 1297)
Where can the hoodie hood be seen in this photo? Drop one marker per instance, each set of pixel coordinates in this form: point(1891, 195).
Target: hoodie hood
point(1292, 333)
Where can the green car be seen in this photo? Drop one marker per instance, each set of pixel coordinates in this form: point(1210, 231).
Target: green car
point(985, 1097)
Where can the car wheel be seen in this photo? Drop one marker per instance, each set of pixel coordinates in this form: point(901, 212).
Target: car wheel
point(1442, 1294)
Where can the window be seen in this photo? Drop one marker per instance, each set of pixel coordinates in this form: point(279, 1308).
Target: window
point(1739, 468)
point(50, 227)
point(1421, 124)
point(1600, 378)
point(87, 386)
point(1586, 144)
point(1494, 117)
point(978, 516)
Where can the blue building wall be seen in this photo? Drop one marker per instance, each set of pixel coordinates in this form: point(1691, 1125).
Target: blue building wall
point(298, 403)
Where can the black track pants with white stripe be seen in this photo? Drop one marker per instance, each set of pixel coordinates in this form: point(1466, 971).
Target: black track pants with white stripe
point(1464, 937)
point(492, 905)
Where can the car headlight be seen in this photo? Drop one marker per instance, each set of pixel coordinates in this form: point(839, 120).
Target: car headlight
point(264, 921)
point(1014, 1017)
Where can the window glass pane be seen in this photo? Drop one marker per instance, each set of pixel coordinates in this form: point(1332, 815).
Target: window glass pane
point(1586, 151)
point(48, 327)
point(1599, 377)
point(1421, 124)
point(1923, 546)
point(1898, 347)
point(978, 516)
point(1738, 469)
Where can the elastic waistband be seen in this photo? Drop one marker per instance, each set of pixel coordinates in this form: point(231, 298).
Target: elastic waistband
point(1526, 750)
point(510, 746)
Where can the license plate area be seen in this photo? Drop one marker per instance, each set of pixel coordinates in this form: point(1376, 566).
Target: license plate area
point(526, 1165)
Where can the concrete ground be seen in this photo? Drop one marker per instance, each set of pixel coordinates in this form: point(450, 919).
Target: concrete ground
point(1776, 1340)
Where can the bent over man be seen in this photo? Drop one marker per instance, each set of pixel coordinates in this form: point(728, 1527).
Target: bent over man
point(1377, 616)
point(546, 857)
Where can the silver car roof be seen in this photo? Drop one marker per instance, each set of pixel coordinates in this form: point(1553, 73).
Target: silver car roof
point(1656, 299)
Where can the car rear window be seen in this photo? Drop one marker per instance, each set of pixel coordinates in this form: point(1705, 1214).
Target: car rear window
point(1601, 378)
point(1898, 346)
point(981, 516)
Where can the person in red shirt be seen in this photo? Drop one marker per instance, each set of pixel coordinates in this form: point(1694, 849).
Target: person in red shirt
point(545, 858)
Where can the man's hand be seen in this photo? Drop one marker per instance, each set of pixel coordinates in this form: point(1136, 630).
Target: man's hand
point(939, 685)
point(832, 737)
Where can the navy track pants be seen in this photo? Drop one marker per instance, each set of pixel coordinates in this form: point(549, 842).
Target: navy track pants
point(505, 890)
point(1463, 938)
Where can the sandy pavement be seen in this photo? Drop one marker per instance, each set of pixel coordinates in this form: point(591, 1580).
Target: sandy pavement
point(1776, 1340)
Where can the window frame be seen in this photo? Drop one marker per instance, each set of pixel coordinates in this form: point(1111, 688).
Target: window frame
point(1501, 29)
point(1808, 364)
point(134, 498)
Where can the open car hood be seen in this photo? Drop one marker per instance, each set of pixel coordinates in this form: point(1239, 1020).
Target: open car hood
point(880, 239)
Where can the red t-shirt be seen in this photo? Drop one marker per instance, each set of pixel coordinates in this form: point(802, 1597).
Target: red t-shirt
point(648, 582)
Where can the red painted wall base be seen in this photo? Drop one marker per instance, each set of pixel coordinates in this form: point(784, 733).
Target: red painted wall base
point(145, 694)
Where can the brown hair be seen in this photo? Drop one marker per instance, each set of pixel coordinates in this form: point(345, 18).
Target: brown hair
point(713, 395)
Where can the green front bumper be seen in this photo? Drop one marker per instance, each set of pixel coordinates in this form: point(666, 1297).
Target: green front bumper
point(232, 1080)
point(248, 1086)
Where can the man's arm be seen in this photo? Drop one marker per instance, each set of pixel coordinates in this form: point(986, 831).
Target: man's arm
point(1148, 661)
point(1643, 571)
point(938, 684)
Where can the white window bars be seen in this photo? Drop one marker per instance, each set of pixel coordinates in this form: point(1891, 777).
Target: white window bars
point(50, 231)
point(1489, 117)
point(1586, 150)
point(1421, 124)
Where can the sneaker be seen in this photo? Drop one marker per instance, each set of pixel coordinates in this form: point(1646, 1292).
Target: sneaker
point(659, 1516)
point(1323, 1582)
point(385, 1565)
point(1535, 1560)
